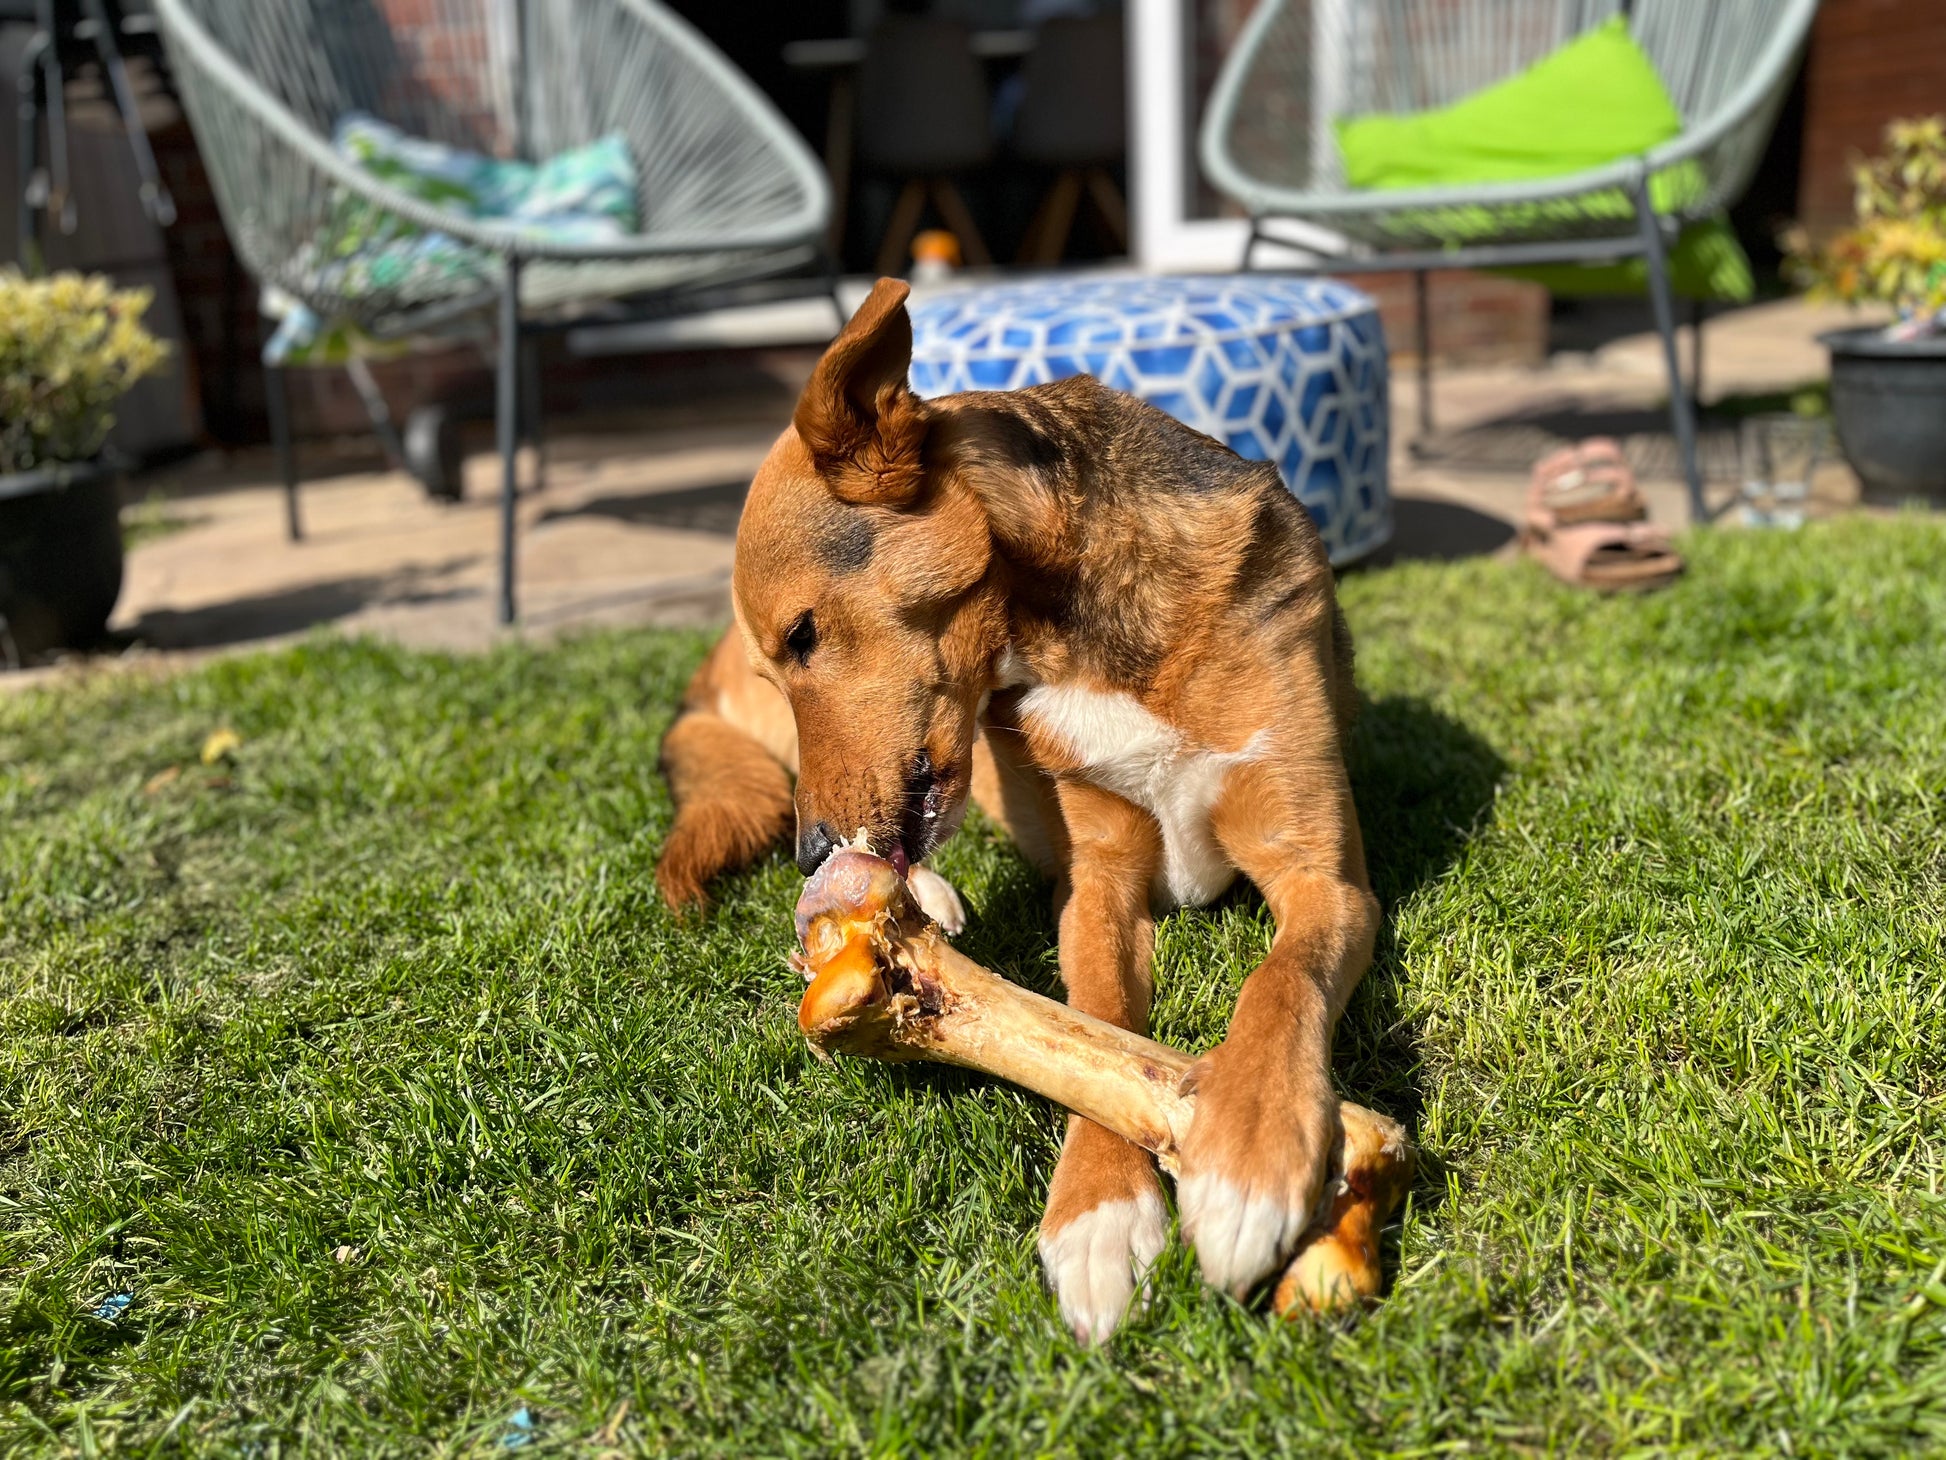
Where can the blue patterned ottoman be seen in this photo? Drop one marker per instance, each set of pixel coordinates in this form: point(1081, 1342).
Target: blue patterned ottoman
point(1282, 369)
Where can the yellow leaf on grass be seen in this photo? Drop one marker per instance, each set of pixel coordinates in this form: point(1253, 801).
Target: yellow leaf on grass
point(161, 779)
point(220, 743)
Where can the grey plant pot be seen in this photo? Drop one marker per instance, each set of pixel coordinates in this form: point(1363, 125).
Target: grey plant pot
point(1888, 402)
point(60, 557)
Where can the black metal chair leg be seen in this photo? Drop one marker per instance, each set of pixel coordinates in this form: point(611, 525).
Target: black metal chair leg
point(156, 201)
point(1250, 246)
point(507, 426)
point(27, 84)
point(828, 265)
point(1422, 314)
point(1698, 312)
point(377, 412)
point(1662, 297)
point(277, 402)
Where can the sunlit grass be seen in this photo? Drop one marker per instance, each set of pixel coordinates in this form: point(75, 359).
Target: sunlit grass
point(367, 1065)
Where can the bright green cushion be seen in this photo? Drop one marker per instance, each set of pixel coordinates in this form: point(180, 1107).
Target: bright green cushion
point(1706, 263)
point(1596, 100)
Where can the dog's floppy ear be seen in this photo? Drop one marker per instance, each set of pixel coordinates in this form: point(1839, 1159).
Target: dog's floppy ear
point(862, 424)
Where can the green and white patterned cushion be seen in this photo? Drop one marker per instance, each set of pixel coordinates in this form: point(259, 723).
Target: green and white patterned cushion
point(584, 195)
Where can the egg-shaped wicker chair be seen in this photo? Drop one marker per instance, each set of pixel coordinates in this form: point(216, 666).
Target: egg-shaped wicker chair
point(725, 189)
point(1299, 65)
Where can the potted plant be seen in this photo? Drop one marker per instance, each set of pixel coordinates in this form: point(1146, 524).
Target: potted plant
point(1888, 384)
point(69, 347)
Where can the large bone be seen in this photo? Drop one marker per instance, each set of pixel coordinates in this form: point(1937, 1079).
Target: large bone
point(886, 985)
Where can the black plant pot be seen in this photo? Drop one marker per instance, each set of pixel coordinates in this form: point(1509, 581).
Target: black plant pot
point(1888, 401)
point(60, 558)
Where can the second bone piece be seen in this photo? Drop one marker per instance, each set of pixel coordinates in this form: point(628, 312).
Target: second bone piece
point(887, 986)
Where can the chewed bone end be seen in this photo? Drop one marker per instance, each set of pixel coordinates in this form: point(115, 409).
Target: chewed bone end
point(848, 988)
point(852, 892)
point(1338, 1265)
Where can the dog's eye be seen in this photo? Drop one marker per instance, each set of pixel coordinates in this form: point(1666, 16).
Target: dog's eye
point(802, 638)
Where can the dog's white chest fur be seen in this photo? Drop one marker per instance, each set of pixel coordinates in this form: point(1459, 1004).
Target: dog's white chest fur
point(1125, 749)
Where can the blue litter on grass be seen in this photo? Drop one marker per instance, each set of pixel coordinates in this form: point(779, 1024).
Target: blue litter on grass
point(520, 1429)
point(113, 1306)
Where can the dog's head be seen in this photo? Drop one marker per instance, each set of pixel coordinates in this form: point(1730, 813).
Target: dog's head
point(862, 591)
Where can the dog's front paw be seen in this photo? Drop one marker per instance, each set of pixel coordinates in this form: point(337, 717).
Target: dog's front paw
point(1104, 1229)
point(1253, 1163)
point(937, 900)
point(1096, 1261)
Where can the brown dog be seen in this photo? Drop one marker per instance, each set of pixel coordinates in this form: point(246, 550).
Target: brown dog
point(1124, 640)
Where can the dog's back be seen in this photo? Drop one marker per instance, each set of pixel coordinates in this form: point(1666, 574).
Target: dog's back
point(1179, 541)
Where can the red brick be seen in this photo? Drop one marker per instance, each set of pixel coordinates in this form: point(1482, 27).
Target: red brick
point(1870, 62)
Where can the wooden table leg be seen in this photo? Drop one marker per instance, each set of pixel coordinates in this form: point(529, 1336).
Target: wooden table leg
point(837, 158)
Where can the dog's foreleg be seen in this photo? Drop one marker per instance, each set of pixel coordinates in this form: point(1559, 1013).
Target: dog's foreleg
point(1105, 1223)
point(1256, 1155)
point(728, 758)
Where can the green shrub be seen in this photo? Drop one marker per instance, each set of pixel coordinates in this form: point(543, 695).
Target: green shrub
point(1897, 252)
point(70, 347)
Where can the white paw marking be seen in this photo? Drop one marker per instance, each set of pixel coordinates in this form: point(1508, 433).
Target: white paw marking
point(1124, 748)
point(1096, 1262)
point(937, 900)
point(1239, 1240)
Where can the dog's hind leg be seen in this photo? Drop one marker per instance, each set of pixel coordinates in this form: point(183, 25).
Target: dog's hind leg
point(1105, 1223)
point(1017, 796)
point(728, 756)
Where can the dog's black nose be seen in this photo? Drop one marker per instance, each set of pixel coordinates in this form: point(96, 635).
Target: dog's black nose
point(813, 846)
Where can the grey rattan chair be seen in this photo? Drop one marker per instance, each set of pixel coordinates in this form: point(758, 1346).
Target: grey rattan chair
point(725, 189)
point(1267, 141)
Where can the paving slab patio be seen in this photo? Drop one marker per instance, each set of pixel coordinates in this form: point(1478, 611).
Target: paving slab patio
point(637, 519)
point(1492, 423)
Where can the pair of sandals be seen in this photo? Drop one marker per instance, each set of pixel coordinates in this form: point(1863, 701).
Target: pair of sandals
point(1585, 522)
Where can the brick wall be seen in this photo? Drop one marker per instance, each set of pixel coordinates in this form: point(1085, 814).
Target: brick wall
point(1477, 319)
point(218, 302)
point(443, 84)
point(1869, 62)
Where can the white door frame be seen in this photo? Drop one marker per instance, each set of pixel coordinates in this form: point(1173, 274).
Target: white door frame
point(1162, 143)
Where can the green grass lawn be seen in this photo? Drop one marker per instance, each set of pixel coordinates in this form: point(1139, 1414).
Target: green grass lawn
point(366, 1064)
